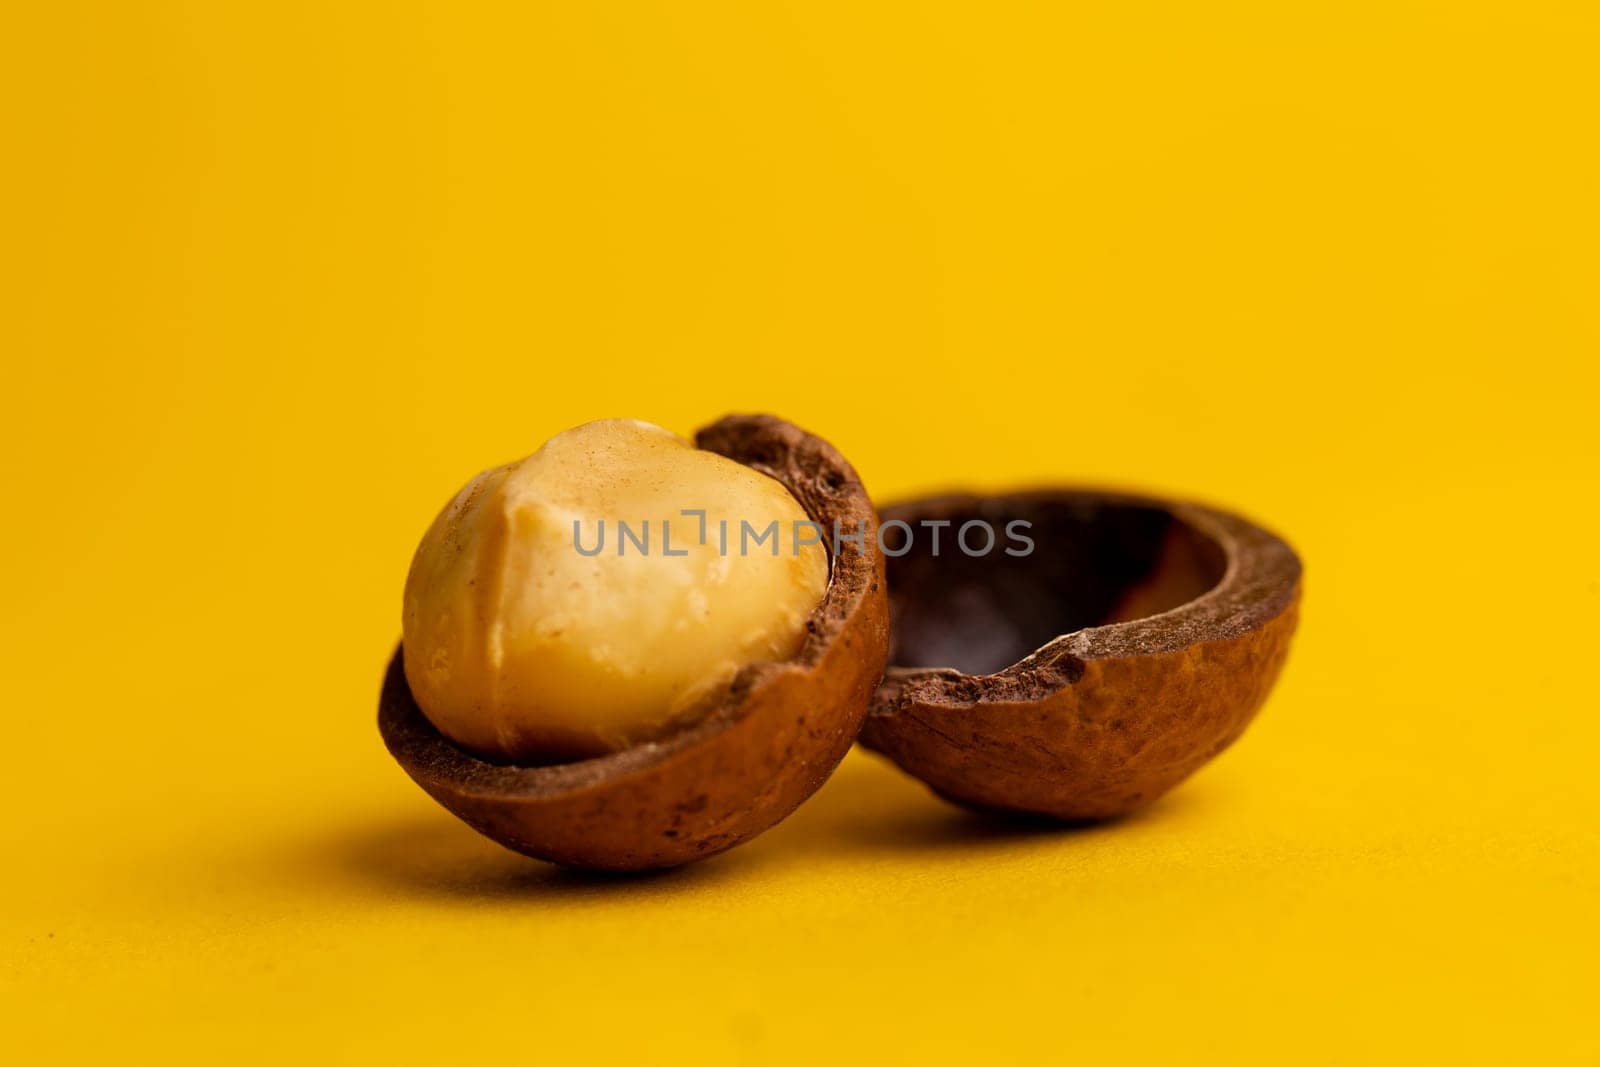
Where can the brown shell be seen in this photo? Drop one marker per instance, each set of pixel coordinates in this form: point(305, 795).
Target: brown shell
point(1174, 621)
point(775, 739)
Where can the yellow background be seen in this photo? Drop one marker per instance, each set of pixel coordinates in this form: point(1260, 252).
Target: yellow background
point(279, 276)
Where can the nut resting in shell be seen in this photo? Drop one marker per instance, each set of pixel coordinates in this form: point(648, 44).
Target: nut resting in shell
point(1087, 677)
point(758, 744)
point(566, 606)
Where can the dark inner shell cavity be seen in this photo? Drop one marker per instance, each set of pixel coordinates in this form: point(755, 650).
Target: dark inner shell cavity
point(1094, 560)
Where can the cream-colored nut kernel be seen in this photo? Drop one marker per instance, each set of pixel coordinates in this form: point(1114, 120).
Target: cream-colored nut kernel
point(523, 643)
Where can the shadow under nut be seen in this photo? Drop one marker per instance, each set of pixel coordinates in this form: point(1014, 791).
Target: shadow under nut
point(775, 738)
point(1196, 609)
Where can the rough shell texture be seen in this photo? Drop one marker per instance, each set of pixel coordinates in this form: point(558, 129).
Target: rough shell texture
point(1099, 721)
point(773, 741)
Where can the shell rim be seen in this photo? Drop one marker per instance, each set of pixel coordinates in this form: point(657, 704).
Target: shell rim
point(1261, 580)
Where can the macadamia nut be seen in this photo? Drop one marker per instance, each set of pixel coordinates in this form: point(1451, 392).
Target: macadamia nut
point(523, 642)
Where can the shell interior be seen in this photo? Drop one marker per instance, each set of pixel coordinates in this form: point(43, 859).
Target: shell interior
point(1094, 560)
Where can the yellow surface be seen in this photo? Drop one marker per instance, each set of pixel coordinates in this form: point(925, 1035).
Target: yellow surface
point(279, 277)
